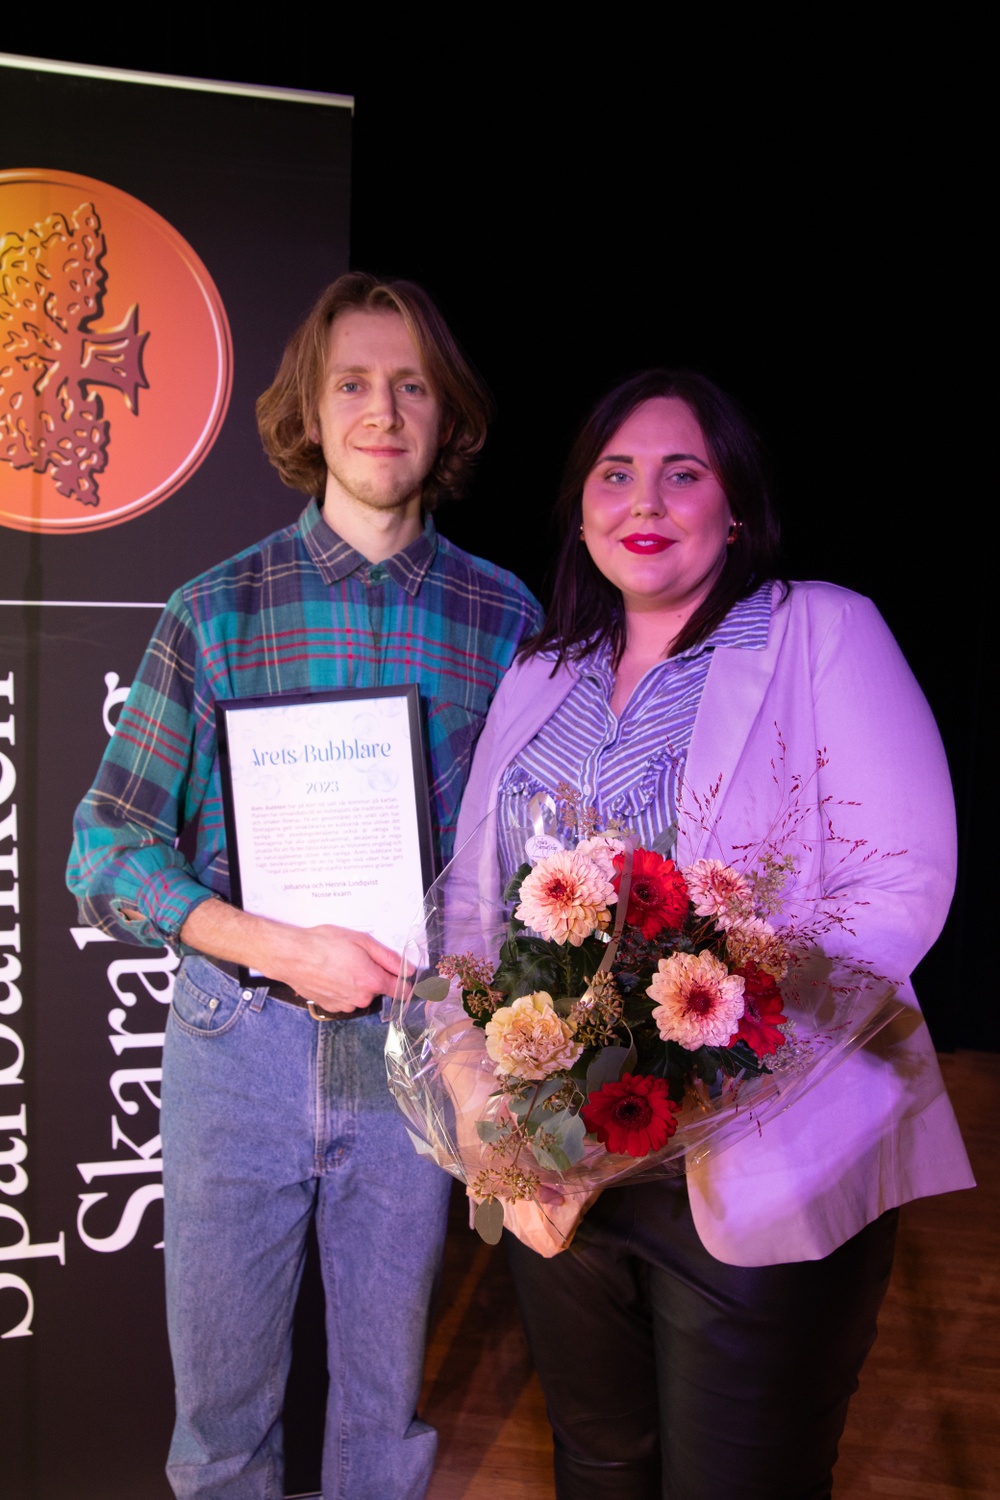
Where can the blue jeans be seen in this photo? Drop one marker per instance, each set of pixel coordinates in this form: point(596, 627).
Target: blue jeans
point(270, 1117)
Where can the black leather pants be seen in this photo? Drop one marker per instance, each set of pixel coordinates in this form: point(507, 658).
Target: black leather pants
point(670, 1374)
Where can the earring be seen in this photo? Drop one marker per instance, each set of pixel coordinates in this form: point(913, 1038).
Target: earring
point(582, 538)
point(735, 527)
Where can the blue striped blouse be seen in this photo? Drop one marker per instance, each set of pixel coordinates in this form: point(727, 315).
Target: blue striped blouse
point(627, 769)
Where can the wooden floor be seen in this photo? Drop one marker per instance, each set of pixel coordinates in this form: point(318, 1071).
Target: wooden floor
point(925, 1424)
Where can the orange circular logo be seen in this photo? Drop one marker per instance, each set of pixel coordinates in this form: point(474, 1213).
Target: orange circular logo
point(116, 359)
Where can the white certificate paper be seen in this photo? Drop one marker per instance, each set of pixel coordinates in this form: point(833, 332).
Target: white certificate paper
point(327, 816)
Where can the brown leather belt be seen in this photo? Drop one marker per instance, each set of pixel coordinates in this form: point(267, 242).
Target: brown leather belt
point(282, 991)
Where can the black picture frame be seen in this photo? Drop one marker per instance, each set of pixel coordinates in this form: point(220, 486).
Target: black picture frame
point(306, 750)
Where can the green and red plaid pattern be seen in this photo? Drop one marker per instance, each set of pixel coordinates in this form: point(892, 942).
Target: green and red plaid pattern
point(299, 612)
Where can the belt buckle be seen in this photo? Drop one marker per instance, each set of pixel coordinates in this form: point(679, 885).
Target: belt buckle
point(318, 1014)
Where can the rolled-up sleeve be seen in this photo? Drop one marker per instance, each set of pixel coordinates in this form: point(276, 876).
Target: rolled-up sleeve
point(125, 870)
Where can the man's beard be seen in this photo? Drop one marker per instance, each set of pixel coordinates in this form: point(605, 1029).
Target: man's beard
point(382, 495)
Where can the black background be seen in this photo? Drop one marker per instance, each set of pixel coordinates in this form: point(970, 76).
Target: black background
point(797, 210)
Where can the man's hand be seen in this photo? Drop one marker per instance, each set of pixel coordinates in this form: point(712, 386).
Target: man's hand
point(340, 970)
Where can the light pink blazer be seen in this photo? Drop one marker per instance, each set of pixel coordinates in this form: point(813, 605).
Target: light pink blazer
point(879, 1130)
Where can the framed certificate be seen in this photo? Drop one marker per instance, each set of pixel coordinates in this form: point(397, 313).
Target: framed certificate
point(326, 808)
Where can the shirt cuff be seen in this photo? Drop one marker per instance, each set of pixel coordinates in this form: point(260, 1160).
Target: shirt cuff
point(162, 905)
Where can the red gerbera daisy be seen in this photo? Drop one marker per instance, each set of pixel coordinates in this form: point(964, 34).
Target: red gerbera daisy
point(658, 895)
point(631, 1117)
point(763, 1014)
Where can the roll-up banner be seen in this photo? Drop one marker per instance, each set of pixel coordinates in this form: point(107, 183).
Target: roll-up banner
point(159, 240)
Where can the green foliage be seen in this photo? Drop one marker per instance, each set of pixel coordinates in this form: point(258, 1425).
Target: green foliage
point(488, 1220)
point(558, 1141)
point(608, 1065)
point(529, 964)
point(433, 987)
point(512, 891)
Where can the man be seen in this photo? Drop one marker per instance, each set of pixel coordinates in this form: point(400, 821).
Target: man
point(275, 1109)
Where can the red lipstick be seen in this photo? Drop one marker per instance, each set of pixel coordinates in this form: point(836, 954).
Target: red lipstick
point(646, 545)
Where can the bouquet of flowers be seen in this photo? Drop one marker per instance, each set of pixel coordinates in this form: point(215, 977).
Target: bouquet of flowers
point(614, 1014)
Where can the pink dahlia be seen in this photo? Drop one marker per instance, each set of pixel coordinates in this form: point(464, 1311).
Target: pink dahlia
point(698, 1001)
point(718, 891)
point(631, 1117)
point(566, 898)
point(658, 896)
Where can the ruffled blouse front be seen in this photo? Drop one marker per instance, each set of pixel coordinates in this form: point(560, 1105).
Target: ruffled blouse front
point(628, 770)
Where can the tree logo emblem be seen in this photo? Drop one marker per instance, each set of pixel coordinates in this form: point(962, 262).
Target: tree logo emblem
point(115, 355)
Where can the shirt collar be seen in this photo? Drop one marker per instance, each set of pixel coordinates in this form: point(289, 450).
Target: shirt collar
point(745, 628)
point(337, 559)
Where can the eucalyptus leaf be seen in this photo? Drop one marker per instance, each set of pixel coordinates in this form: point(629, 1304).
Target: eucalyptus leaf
point(488, 1132)
point(560, 1144)
point(518, 1107)
point(571, 1133)
point(547, 1089)
point(552, 1157)
point(607, 1067)
point(488, 1220)
point(664, 842)
point(434, 987)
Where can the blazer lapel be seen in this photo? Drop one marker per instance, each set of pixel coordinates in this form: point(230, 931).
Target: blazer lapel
point(730, 705)
point(539, 696)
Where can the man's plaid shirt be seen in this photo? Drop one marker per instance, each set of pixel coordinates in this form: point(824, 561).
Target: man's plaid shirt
point(299, 612)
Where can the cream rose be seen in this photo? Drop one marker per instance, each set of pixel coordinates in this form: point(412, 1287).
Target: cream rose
point(528, 1040)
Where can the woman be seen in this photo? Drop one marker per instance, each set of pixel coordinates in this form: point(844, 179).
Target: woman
point(701, 1337)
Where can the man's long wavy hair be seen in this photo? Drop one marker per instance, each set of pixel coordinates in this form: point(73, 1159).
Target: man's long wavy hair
point(287, 411)
point(586, 608)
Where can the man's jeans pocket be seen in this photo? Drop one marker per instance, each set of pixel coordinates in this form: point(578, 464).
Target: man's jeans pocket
point(206, 1002)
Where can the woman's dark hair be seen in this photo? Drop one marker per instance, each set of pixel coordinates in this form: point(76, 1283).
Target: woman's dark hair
point(586, 609)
